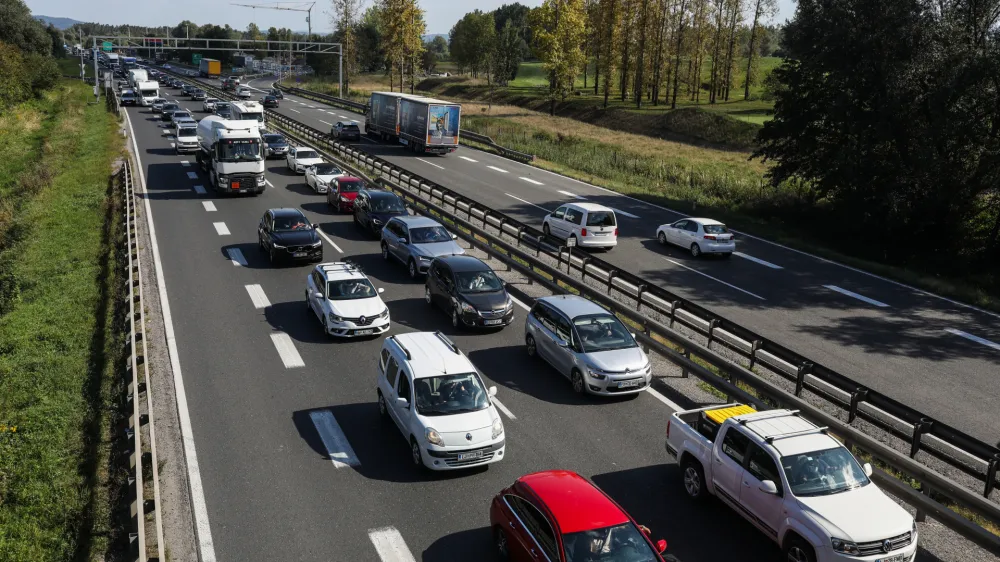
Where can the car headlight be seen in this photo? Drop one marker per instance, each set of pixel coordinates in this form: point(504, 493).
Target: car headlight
point(913, 533)
point(846, 547)
point(595, 373)
point(223, 179)
point(278, 246)
point(317, 243)
point(433, 437)
point(376, 222)
point(334, 319)
point(466, 307)
point(260, 180)
point(424, 258)
point(344, 199)
point(509, 304)
point(497, 428)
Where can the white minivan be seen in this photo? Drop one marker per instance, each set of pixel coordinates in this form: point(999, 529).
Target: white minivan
point(435, 396)
point(592, 225)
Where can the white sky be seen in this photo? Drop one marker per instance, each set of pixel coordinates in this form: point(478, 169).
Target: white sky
point(440, 14)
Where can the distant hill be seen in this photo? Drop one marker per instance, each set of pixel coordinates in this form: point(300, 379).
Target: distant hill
point(60, 23)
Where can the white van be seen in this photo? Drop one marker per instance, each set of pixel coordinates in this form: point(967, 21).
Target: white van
point(592, 225)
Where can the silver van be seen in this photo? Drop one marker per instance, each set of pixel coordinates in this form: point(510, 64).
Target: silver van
point(593, 225)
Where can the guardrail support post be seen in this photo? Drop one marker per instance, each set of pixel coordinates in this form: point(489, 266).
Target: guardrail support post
point(918, 430)
point(920, 516)
point(711, 331)
point(753, 352)
point(645, 331)
point(583, 267)
point(991, 475)
point(687, 355)
point(638, 301)
point(673, 309)
point(800, 376)
point(611, 278)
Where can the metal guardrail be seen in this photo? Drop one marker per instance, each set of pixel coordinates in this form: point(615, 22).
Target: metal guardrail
point(145, 534)
point(677, 347)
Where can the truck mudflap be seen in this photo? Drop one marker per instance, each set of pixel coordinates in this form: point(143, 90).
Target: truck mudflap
point(670, 449)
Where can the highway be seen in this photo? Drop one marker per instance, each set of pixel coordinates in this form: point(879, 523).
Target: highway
point(939, 356)
point(273, 401)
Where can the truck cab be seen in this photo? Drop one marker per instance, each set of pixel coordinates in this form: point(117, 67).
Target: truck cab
point(793, 481)
point(232, 154)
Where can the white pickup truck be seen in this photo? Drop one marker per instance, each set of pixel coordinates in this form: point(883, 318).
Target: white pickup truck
point(791, 480)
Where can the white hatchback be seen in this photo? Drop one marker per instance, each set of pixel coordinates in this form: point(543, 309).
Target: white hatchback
point(590, 224)
point(699, 236)
point(435, 396)
point(299, 158)
point(345, 301)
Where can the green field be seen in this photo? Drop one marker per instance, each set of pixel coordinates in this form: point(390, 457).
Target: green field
point(58, 349)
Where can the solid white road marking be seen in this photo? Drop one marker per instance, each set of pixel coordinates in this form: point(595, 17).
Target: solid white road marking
point(199, 189)
point(237, 256)
point(757, 260)
point(390, 545)
point(431, 164)
point(862, 298)
point(621, 212)
point(330, 240)
point(203, 529)
point(573, 195)
point(286, 349)
point(503, 408)
point(338, 449)
point(221, 228)
point(327, 122)
point(342, 116)
point(468, 159)
point(519, 303)
point(185, 163)
point(192, 176)
point(209, 206)
point(173, 145)
point(529, 180)
point(295, 110)
point(258, 297)
point(715, 279)
point(976, 339)
point(528, 202)
point(269, 184)
point(502, 171)
point(669, 403)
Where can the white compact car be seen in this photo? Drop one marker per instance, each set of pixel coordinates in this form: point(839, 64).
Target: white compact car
point(590, 224)
point(699, 236)
point(345, 301)
point(319, 176)
point(301, 157)
point(208, 105)
point(244, 93)
point(186, 137)
point(435, 396)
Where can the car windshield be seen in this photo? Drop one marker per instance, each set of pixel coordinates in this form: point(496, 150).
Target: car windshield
point(477, 282)
point(387, 204)
point(602, 332)
point(450, 394)
point(187, 132)
point(716, 229)
point(620, 543)
point(327, 169)
point(290, 223)
point(600, 218)
point(429, 235)
point(239, 150)
point(303, 154)
point(181, 114)
point(350, 289)
point(170, 106)
point(821, 473)
point(351, 186)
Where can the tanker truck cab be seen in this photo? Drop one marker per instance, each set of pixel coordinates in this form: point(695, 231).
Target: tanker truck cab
point(232, 154)
point(793, 481)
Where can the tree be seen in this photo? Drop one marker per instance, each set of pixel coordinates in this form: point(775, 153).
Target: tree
point(517, 14)
point(371, 53)
point(184, 28)
point(681, 19)
point(506, 54)
point(558, 28)
point(472, 41)
point(402, 26)
point(765, 9)
point(428, 60)
point(56, 36)
point(439, 47)
point(20, 29)
point(344, 20)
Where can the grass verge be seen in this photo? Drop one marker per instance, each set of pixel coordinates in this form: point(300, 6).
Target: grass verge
point(58, 342)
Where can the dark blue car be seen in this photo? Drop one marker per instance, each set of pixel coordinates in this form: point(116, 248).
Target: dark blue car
point(374, 207)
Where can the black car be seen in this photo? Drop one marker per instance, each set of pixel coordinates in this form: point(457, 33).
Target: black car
point(199, 95)
point(275, 145)
point(187, 89)
point(269, 101)
point(168, 109)
point(469, 291)
point(276, 93)
point(373, 208)
point(346, 131)
point(287, 235)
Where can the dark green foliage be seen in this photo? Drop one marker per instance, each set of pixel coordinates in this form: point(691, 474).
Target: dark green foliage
point(19, 29)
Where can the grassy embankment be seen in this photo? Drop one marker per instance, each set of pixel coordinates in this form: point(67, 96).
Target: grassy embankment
point(58, 345)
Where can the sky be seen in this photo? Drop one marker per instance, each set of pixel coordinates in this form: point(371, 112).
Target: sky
point(439, 14)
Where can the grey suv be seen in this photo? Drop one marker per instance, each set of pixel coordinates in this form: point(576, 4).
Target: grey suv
point(588, 345)
point(416, 241)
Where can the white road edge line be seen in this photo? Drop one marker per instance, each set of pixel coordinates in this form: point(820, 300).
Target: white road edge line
point(236, 255)
point(430, 163)
point(715, 279)
point(971, 337)
point(258, 297)
point(573, 195)
point(330, 240)
point(295, 110)
point(501, 170)
point(621, 212)
point(468, 159)
point(862, 298)
point(519, 303)
point(269, 184)
point(325, 122)
point(209, 206)
point(503, 408)
point(338, 448)
point(199, 189)
point(528, 202)
point(390, 545)
point(286, 350)
point(203, 528)
point(757, 260)
point(221, 228)
point(529, 180)
point(668, 402)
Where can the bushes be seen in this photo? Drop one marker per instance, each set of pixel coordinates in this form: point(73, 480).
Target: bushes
point(24, 75)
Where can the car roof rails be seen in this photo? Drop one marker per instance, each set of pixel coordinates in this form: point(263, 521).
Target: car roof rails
point(447, 341)
point(771, 438)
point(401, 346)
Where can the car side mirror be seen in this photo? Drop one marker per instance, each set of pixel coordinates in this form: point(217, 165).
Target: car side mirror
point(404, 241)
point(403, 402)
point(632, 334)
point(454, 237)
point(563, 343)
point(381, 290)
point(318, 295)
point(492, 391)
point(661, 546)
point(868, 468)
point(768, 487)
point(315, 226)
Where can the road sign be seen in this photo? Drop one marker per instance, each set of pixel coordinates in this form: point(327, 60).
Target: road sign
point(196, 58)
point(106, 46)
point(571, 241)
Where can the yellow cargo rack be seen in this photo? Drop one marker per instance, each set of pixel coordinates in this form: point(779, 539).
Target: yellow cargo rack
point(722, 414)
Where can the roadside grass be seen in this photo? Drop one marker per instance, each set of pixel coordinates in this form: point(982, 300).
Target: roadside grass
point(58, 337)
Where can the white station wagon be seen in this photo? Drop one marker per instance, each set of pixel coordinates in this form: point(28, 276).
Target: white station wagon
point(345, 301)
point(699, 236)
point(590, 224)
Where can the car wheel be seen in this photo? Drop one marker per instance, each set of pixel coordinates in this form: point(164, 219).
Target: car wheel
point(502, 548)
point(412, 267)
point(383, 410)
point(797, 550)
point(662, 238)
point(454, 318)
point(694, 479)
point(415, 453)
point(427, 295)
point(578, 385)
point(529, 343)
point(385, 251)
point(545, 229)
point(695, 250)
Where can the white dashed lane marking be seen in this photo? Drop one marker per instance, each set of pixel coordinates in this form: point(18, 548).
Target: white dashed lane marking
point(286, 350)
point(221, 228)
point(390, 545)
point(192, 176)
point(185, 163)
point(209, 206)
point(529, 180)
point(330, 241)
point(258, 297)
point(503, 408)
point(528, 202)
point(468, 159)
point(757, 260)
point(199, 189)
point(338, 449)
point(861, 298)
point(237, 257)
point(431, 164)
point(971, 337)
point(573, 195)
point(501, 170)
point(716, 279)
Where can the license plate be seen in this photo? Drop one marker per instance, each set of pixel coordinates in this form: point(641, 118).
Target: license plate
point(600, 234)
point(896, 558)
point(492, 322)
point(364, 332)
point(243, 191)
point(467, 456)
point(628, 384)
point(299, 255)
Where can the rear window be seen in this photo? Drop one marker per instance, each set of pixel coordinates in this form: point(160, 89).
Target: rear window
point(716, 229)
point(352, 127)
point(601, 218)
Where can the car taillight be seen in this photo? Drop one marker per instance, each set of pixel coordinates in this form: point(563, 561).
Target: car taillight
point(709, 237)
point(583, 232)
point(668, 428)
point(616, 232)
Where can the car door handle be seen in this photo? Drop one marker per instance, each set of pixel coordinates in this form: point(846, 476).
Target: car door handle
point(745, 483)
point(533, 553)
point(511, 523)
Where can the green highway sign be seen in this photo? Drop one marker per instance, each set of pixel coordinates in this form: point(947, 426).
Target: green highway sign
point(196, 58)
point(106, 46)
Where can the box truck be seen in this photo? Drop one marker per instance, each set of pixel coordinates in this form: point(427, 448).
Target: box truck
point(147, 91)
point(232, 154)
point(210, 68)
point(135, 76)
point(425, 125)
point(249, 111)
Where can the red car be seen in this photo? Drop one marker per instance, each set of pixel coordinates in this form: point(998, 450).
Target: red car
point(343, 191)
point(560, 516)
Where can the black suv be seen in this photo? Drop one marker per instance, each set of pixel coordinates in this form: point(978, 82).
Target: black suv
point(269, 101)
point(374, 207)
point(276, 93)
point(286, 234)
point(469, 291)
point(199, 95)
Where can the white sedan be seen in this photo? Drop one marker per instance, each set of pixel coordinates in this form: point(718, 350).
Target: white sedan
point(319, 176)
point(208, 105)
point(699, 236)
point(301, 157)
point(244, 93)
point(345, 301)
